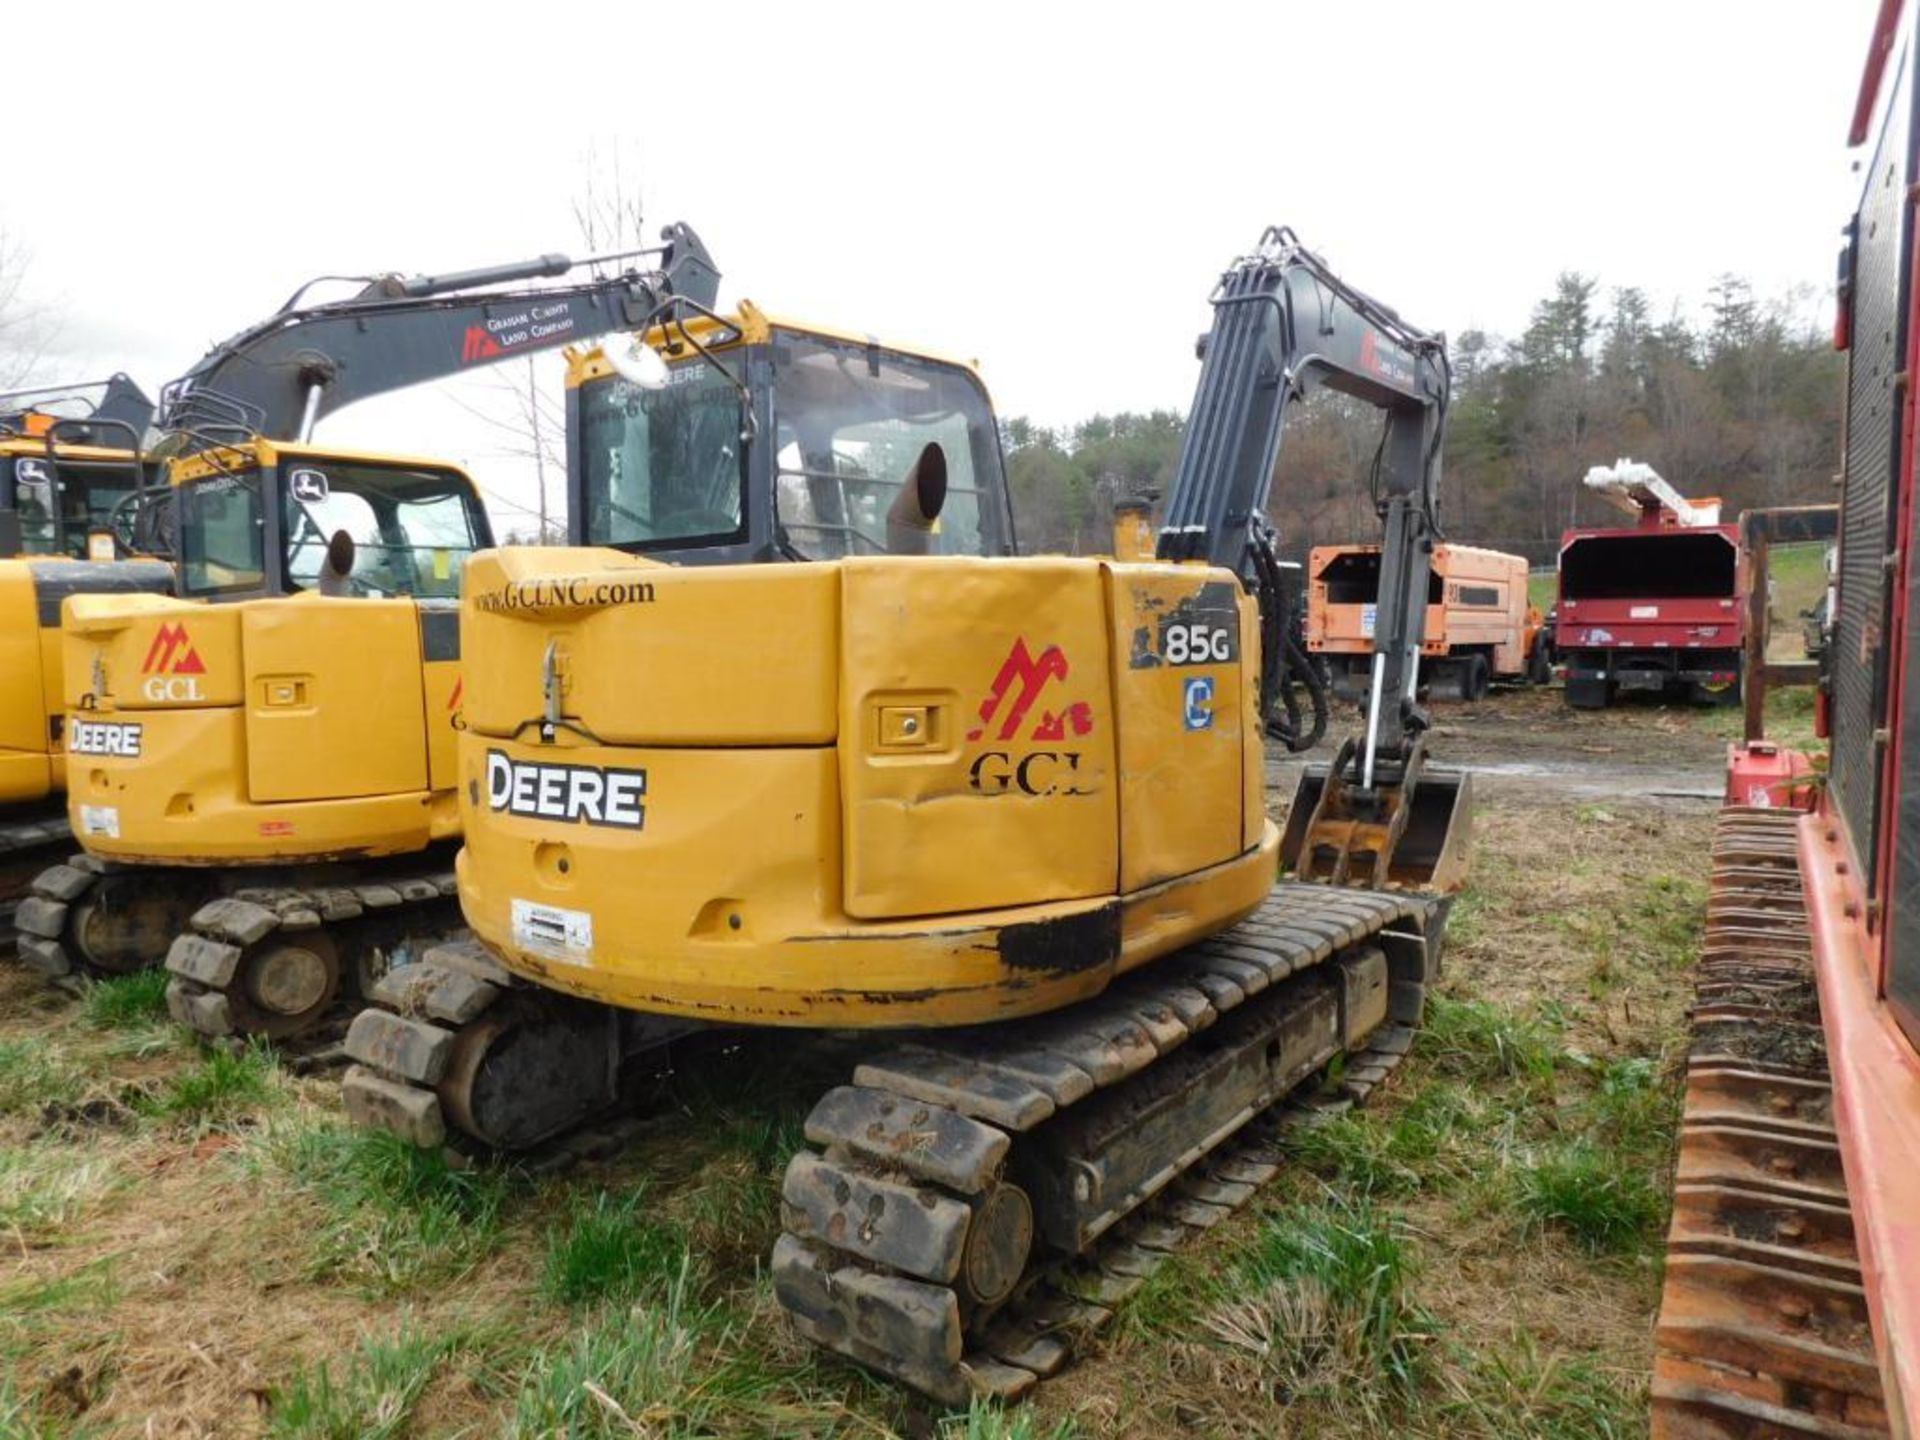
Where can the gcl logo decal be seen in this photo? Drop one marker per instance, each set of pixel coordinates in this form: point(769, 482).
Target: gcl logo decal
point(172, 666)
point(1015, 692)
point(1031, 675)
point(476, 344)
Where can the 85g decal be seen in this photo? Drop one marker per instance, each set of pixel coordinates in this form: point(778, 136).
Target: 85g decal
point(1184, 643)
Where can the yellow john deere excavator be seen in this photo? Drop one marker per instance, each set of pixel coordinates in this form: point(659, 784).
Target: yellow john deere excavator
point(77, 516)
point(269, 756)
point(1011, 807)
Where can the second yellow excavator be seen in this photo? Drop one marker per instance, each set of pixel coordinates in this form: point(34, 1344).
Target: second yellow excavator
point(79, 514)
point(264, 762)
point(1006, 815)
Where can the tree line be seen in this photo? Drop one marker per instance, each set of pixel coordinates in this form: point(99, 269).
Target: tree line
point(1742, 401)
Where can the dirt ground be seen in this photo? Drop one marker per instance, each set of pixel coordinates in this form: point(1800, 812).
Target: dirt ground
point(199, 1248)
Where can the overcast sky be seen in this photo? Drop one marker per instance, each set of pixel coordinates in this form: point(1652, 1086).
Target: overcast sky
point(1050, 189)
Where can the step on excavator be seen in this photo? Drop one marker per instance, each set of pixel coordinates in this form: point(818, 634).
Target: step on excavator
point(80, 513)
point(1004, 815)
point(266, 799)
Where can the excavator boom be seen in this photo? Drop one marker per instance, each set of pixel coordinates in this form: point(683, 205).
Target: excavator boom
point(278, 377)
point(1284, 325)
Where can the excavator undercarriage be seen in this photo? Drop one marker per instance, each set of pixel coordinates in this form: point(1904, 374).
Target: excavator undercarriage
point(250, 951)
point(975, 1199)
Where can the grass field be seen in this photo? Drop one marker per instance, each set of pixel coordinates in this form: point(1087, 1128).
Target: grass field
point(196, 1244)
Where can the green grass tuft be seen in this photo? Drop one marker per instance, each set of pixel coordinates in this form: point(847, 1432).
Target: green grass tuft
point(373, 1398)
point(397, 1216)
point(1409, 1151)
point(26, 1417)
point(606, 1249)
point(126, 1001)
point(1607, 1203)
point(46, 1187)
point(645, 1370)
point(1633, 1111)
point(1519, 1394)
point(985, 1420)
point(34, 1074)
point(1477, 1041)
point(1324, 1302)
point(221, 1087)
point(1668, 918)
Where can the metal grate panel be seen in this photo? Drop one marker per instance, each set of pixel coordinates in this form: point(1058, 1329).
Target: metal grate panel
point(1882, 245)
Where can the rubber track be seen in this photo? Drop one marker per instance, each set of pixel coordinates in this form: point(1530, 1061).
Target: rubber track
point(1763, 1327)
point(910, 1170)
point(27, 844)
point(208, 963)
point(41, 917)
point(402, 1042)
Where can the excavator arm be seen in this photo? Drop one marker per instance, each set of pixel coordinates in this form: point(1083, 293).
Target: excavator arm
point(1285, 325)
point(278, 377)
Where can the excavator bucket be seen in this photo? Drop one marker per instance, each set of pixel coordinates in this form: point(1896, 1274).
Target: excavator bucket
point(1413, 837)
point(1433, 849)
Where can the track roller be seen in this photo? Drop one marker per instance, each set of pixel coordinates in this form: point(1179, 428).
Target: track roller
point(272, 960)
point(454, 1048)
point(92, 918)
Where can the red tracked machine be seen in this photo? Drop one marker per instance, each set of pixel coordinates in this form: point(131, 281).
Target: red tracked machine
point(1792, 1301)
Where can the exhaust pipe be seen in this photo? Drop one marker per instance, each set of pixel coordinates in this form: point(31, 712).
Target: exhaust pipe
point(911, 517)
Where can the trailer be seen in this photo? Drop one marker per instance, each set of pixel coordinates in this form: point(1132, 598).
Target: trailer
point(1479, 627)
point(1658, 607)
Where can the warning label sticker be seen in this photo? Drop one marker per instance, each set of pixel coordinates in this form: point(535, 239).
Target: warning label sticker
point(554, 932)
point(100, 820)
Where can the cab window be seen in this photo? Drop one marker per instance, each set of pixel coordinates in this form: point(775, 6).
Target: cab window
point(413, 530)
point(663, 467)
point(222, 543)
point(850, 422)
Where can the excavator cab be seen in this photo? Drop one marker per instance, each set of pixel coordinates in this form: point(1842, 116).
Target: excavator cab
point(749, 438)
point(77, 516)
point(248, 692)
point(258, 520)
point(74, 479)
